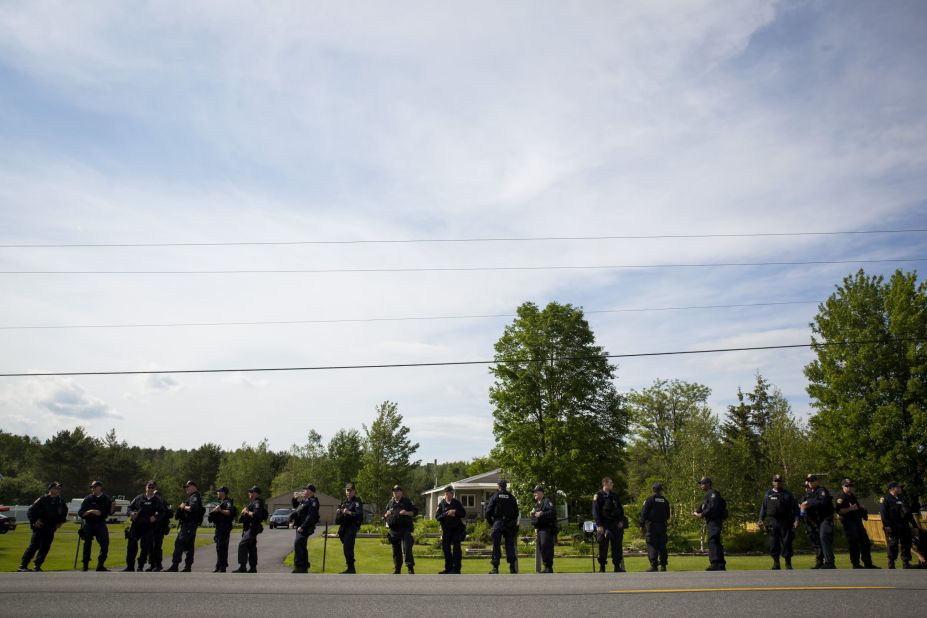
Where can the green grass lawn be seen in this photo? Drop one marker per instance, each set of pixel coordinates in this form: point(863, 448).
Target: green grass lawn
point(373, 556)
point(61, 555)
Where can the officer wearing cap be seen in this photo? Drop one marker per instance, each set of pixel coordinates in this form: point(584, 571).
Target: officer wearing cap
point(94, 510)
point(161, 529)
point(713, 511)
point(818, 506)
point(45, 516)
point(252, 516)
point(450, 515)
point(400, 519)
point(852, 514)
point(502, 515)
point(655, 517)
point(349, 516)
point(190, 515)
point(222, 516)
point(544, 518)
point(779, 517)
point(305, 516)
point(610, 521)
point(897, 520)
point(145, 512)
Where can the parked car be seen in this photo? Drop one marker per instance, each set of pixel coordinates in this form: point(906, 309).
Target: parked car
point(280, 518)
point(6, 523)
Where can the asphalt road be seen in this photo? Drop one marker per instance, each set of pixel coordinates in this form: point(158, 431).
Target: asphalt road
point(273, 547)
point(735, 593)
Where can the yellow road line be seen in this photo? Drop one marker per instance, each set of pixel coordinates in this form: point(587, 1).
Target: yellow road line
point(758, 589)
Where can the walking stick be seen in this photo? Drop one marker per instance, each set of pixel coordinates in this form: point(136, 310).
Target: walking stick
point(537, 551)
point(324, 545)
point(77, 551)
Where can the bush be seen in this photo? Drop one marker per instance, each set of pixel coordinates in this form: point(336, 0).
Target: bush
point(479, 532)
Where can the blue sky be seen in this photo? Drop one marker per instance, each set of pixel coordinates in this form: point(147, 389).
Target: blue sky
point(222, 122)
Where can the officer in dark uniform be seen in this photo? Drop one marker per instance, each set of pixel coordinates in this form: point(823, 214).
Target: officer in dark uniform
point(502, 516)
point(252, 516)
point(349, 517)
point(544, 518)
point(811, 528)
point(818, 506)
point(189, 515)
point(305, 516)
point(779, 517)
point(655, 516)
point(897, 520)
point(610, 523)
point(222, 516)
point(45, 516)
point(400, 519)
point(94, 510)
point(713, 511)
point(852, 514)
point(161, 529)
point(450, 515)
point(144, 511)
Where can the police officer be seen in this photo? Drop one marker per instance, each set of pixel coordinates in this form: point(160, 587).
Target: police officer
point(349, 517)
point(779, 517)
point(45, 516)
point(610, 523)
point(544, 518)
point(222, 516)
point(713, 511)
point(305, 516)
point(655, 516)
point(94, 510)
point(811, 528)
point(252, 516)
point(190, 515)
point(400, 519)
point(450, 515)
point(161, 529)
point(144, 511)
point(897, 520)
point(818, 506)
point(852, 514)
point(502, 516)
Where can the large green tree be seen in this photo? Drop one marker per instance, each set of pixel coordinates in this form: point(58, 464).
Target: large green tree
point(868, 381)
point(387, 455)
point(557, 416)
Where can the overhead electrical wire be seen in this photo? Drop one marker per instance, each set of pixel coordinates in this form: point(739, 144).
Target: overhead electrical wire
point(450, 240)
point(396, 319)
point(444, 363)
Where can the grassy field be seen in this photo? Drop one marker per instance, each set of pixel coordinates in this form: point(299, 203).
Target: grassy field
point(373, 556)
point(61, 555)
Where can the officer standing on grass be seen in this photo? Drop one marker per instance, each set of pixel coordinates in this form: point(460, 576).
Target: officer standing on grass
point(713, 510)
point(450, 515)
point(190, 515)
point(655, 516)
point(818, 506)
point(222, 516)
point(779, 517)
point(94, 511)
point(349, 517)
point(853, 514)
point(898, 521)
point(502, 516)
point(45, 516)
point(544, 518)
point(610, 521)
point(305, 516)
point(811, 528)
point(144, 511)
point(400, 519)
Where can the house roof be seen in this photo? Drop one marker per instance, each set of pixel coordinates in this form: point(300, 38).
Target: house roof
point(486, 480)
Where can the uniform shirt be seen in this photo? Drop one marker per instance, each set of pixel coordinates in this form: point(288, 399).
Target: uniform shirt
point(224, 521)
point(502, 507)
point(895, 512)
point(844, 500)
point(779, 505)
point(353, 512)
point(146, 508)
point(447, 522)
point(548, 514)
point(306, 514)
point(259, 511)
point(820, 504)
point(102, 503)
point(193, 517)
point(397, 521)
point(656, 509)
point(50, 510)
point(711, 506)
point(607, 510)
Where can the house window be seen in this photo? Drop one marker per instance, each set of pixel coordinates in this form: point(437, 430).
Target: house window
point(468, 500)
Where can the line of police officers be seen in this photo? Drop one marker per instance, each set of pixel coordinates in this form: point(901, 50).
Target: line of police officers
point(780, 515)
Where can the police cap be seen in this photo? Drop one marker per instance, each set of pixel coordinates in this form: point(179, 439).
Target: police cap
point(397, 488)
point(502, 483)
point(96, 484)
point(449, 489)
point(151, 484)
point(55, 485)
point(847, 482)
point(811, 478)
point(539, 488)
point(349, 486)
point(310, 487)
point(254, 489)
point(188, 483)
point(893, 485)
point(706, 480)
point(777, 478)
point(223, 489)
point(657, 487)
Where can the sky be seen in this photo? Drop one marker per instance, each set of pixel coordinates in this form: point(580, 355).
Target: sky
point(238, 122)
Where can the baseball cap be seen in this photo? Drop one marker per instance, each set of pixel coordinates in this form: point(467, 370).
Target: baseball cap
point(310, 487)
point(254, 489)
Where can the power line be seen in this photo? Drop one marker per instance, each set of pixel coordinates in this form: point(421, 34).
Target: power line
point(396, 319)
point(266, 271)
point(445, 363)
point(448, 240)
